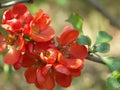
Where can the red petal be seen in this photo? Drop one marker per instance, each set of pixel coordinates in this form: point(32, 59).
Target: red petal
point(12, 56)
point(72, 63)
point(30, 75)
point(44, 35)
point(46, 69)
point(28, 60)
point(20, 42)
point(68, 36)
point(62, 69)
point(75, 72)
point(15, 24)
point(2, 45)
point(19, 10)
point(38, 15)
point(78, 51)
point(63, 80)
point(42, 46)
point(44, 21)
point(40, 78)
point(17, 65)
point(49, 83)
point(38, 85)
point(8, 15)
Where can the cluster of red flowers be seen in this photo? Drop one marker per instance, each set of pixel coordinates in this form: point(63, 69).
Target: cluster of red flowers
point(31, 44)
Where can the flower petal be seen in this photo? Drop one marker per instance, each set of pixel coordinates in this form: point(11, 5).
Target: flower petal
point(62, 69)
point(63, 80)
point(18, 65)
point(72, 63)
point(28, 60)
point(19, 10)
point(75, 72)
point(44, 35)
point(30, 75)
point(78, 51)
point(46, 69)
point(12, 56)
point(68, 36)
point(20, 42)
point(49, 83)
point(8, 15)
point(40, 78)
point(2, 45)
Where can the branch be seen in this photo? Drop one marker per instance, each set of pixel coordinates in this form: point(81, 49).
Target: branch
point(3, 5)
point(101, 9)
point(95, 59)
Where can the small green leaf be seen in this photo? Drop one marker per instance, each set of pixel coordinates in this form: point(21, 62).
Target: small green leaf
point(103, 37)
point(112, 83)
point(102, 48)
point(116, 75)
point(84, 40)
point(76, 21)
point(112, 63)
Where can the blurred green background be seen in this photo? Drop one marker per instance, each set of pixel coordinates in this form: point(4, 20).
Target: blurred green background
point(94, 75)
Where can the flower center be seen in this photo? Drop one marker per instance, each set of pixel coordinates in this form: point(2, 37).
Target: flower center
point(10, 40)
point(64, 50)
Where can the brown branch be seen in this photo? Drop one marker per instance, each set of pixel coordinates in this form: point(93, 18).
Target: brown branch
point(95, 59)
point(102, 10)
point(3, 5)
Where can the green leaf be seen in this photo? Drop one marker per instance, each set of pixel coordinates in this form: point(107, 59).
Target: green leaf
point(116, 75)
point(112, 83)
point(102, 48)
point(84, 40)
point(76, 21)
point(103, 37)
point(112, 63)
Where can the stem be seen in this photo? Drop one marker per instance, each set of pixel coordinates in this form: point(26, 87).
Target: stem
point(114, 21)
point(95, 59)
point(3, 5)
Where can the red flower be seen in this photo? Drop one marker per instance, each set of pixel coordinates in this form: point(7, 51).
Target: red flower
point(13, 55)
point(17, 19)
point(40, 29)
point(70, 56)
point(31, 45)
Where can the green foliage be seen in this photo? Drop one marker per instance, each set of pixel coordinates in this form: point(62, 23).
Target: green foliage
point(103, 37)
point(113, 83)
point(101, 44)
point(102, 48)
point(112, 63)
point(76, 21)
point(62, 2)
point(84, 40)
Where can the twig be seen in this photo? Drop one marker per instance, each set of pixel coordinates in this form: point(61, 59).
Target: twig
point(95, 59)
point(3, 5)
point(101, 9)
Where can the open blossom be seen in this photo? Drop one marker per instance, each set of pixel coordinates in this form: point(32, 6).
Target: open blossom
point(13, 55)
point(40, 29)
point(31, 44)
point(17, 19)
